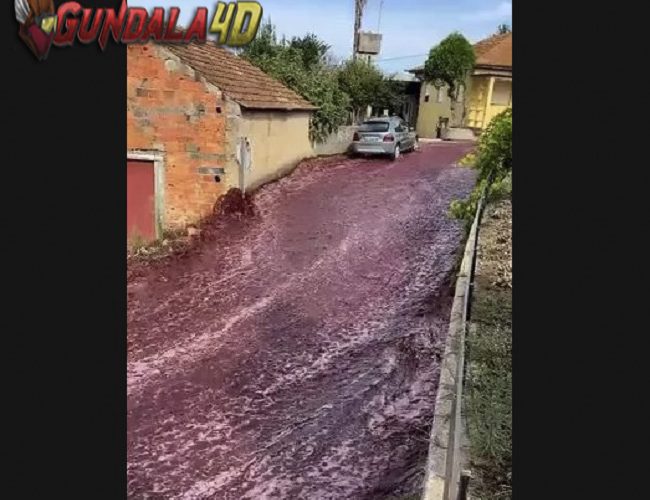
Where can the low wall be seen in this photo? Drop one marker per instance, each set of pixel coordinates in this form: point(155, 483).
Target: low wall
point(279, 140)
point(443, 469)
point(336, 143)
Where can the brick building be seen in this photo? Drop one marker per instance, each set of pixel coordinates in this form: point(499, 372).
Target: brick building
point(201, 120)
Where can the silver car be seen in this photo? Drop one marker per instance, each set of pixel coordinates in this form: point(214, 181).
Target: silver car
point(385, 136)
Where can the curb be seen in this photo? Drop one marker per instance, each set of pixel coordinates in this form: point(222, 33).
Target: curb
point(443, 469)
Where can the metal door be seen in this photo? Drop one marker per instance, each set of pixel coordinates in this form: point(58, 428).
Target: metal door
point(140, 200)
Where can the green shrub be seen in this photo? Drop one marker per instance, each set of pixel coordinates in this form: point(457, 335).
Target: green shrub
point(300, 65)
point(494, 155)
point(367, 86)
point(468, 160)
point(339, 92)
point(488, 395)
point(493, 160)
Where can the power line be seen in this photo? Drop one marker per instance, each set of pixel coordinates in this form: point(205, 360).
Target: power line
point(401, 57)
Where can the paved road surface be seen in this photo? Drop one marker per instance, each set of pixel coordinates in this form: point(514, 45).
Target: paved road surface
point(296, 356)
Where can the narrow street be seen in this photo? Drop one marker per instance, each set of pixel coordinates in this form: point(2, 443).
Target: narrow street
point(295, 357)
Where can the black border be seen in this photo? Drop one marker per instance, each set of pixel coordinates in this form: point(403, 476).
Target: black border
point(63, 209)
point(579, 218)
point(580, 179)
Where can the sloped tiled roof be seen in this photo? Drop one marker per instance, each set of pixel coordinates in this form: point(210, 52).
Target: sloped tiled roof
point(243, 82)
point(495, 51)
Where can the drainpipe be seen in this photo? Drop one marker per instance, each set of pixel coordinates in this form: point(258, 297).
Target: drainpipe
point(244, 157)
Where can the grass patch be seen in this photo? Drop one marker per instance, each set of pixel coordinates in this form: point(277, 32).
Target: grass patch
point(489, 399)
point(488, 391)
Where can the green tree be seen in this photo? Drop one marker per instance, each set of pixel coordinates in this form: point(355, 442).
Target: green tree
point(362, 82)
point(502, 29)
point(322, 89)
point(265, 45)
point(312, 49)
point(391, 96)
point(450, 64)
point(299, 64)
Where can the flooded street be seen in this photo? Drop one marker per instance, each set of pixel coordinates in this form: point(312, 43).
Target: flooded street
point(295, 356)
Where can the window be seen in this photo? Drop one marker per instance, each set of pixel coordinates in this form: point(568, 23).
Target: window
point(374, 126)
point(426, 98)
point(501, 93)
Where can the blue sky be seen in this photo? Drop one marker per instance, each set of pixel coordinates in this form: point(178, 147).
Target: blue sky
point(409, 27)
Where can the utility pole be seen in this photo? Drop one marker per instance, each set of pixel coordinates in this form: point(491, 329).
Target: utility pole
point(359, 5)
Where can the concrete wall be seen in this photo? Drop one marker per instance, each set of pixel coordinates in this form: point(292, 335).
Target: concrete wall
point(336, 143)
point(172, 111)
point(279, 140)
point(431, 111)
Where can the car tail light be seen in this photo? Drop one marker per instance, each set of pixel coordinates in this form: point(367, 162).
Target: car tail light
point(356, 137)
point(389, 138)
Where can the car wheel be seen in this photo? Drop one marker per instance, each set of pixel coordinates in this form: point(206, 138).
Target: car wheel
point(396, 152)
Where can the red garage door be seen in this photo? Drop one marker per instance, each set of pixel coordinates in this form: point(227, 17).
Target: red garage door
point(140, 200)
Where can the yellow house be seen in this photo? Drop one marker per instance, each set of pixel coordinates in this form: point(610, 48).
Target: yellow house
point(488, 92)
point(434, 110)
point(490, 87)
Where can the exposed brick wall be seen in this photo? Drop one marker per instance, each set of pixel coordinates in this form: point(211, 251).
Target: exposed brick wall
point(170, 111)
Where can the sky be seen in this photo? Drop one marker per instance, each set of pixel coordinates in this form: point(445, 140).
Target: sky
point(409, 27)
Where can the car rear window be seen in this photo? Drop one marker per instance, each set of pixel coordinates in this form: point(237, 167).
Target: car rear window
point(374, 127)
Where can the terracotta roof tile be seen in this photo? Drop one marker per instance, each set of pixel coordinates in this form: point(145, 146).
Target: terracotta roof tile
point(246, 84)
point(494, 51)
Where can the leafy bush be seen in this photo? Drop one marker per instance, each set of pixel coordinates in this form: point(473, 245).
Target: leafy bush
point(391, 96)
point(304, 66)
point(494, 156)
point(323, 90)
point(367, 86)
point(466, 209)
point(468, 160)
point(494, 164)
point(300, 65)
